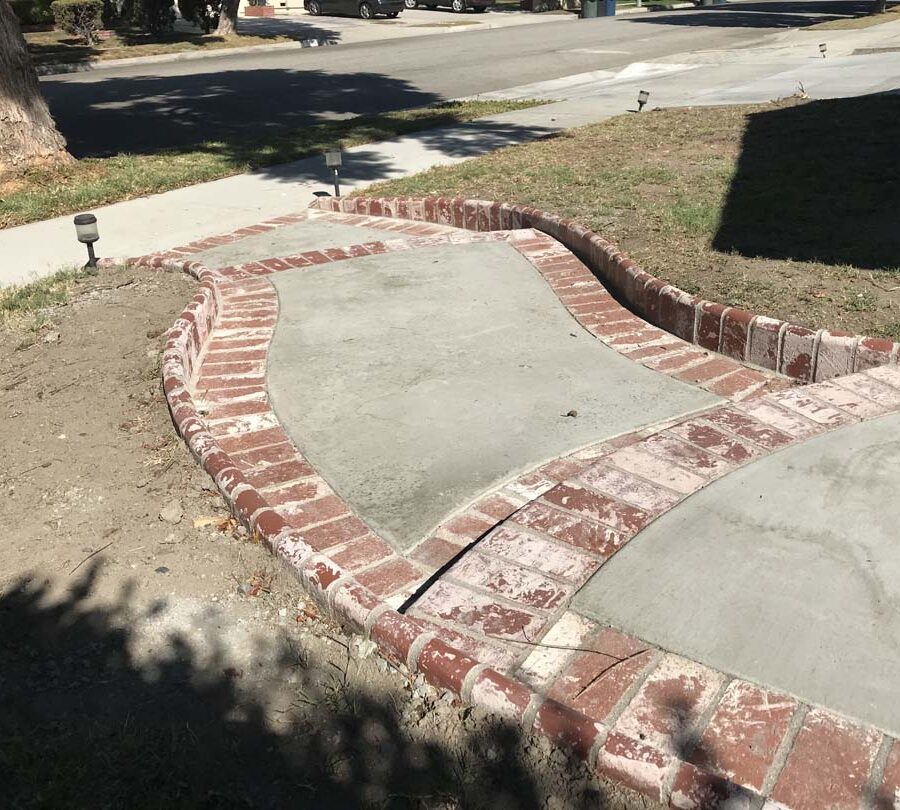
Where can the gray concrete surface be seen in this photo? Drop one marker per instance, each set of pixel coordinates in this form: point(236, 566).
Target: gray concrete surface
point(414, 381)
point(786, 572)
point(313, 234)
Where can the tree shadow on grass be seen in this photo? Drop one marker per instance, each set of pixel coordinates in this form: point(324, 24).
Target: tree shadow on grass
point(221, 123)
point(89, 722)
point(818, 182)
point(146, 114)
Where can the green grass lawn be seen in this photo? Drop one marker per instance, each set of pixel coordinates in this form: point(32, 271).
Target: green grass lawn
point(24, 299)
point(41, 193)
point(787, 209)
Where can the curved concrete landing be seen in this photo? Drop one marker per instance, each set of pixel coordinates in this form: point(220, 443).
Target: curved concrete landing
point(786, 572)
point(414, 381)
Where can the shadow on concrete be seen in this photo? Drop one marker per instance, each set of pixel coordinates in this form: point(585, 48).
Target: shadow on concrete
point(88, 724)
point(461, 141)
point(818, 182)
point(775, 14)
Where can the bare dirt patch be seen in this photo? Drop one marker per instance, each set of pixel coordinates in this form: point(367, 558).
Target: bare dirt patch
point(150, 656)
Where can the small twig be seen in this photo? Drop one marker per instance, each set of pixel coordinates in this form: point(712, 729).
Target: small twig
point(92, 554)
point(42, 465)
point(14, 384)
point(603, 672)
point(114, 286)
point(158, 473)
point(544, 645)
point(63, 387)
point(881, 287)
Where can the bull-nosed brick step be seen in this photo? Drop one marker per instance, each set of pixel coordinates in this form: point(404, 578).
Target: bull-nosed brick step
point(571, 515)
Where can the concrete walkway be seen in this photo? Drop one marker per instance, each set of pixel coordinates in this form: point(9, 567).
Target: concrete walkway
point(151, 223)
point(786, 572)
point(417, 381)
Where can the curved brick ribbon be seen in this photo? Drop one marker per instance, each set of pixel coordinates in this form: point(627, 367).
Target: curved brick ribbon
point(609, 693)
point(790, 349)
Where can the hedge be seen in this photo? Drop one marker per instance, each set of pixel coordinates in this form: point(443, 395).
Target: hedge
point(84, 18)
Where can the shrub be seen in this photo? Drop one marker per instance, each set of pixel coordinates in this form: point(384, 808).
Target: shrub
point(83, 18)
point(154, 16)
point(32, 12)
point(203, 13)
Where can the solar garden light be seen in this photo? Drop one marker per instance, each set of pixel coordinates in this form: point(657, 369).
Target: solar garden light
point(642, 99)
point(333, 162)
point(86, 231)
point(822, 48)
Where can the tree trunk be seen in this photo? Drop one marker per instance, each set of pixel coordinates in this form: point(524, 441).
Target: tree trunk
point(228, 14)
point(28, 134)
point(879, 6)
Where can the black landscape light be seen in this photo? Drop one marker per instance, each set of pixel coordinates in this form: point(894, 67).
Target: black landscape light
point(642, 99)
point(333, 160)
point(86, 230)
point(822, 48)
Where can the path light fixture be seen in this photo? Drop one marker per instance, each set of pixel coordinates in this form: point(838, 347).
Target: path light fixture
point(333, 160)
point(822, 48)
point(86, 231)
point(642, 99)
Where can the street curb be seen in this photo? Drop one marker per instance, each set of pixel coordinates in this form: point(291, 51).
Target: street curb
point(630, 747)
point(92, 66)
point(806, 355)
point(58, 68)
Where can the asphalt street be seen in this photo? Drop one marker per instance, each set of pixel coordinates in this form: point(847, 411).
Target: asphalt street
point(142, 108)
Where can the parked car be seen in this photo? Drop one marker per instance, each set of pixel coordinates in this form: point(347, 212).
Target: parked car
point(456, 5)
point(367, 9)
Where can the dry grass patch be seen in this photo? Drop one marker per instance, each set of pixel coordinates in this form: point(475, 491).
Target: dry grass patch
point(866, 21)
point(52, 47)
point(40, 193)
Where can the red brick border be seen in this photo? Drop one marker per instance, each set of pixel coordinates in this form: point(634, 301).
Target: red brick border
point(662, 724)
point(790, 349)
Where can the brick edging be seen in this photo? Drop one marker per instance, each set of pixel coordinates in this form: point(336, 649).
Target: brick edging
point(408, 641)
point(806, 355)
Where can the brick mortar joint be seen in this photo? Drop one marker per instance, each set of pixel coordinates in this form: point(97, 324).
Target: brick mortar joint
point(876, 772)
point(779, 760)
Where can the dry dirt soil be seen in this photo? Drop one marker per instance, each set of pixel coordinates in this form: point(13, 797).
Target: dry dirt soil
point(150, 656)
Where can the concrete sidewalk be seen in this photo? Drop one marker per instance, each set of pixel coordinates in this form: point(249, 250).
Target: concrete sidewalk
point(752, 75)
